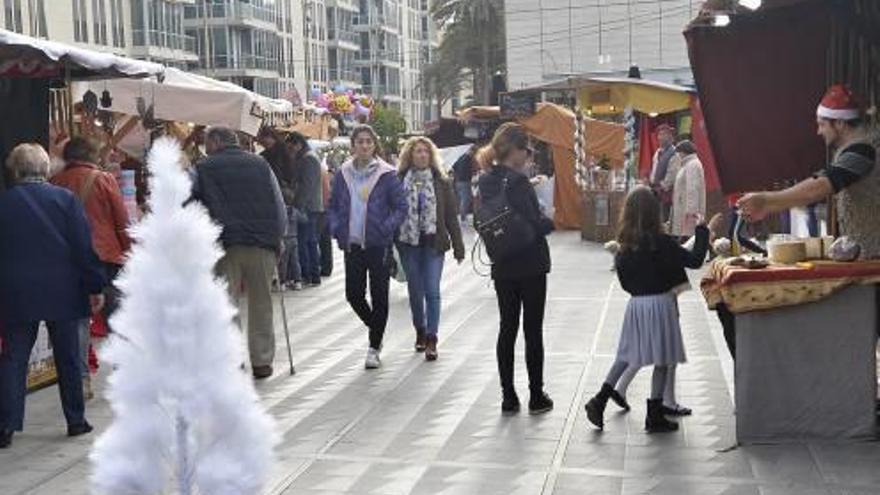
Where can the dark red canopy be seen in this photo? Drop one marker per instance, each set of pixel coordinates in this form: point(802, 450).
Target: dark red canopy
point(759, 81)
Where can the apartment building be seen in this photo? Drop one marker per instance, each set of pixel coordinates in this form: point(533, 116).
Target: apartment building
point(146, 29)
point(273, 47)
point(549, 39)
point(343, 43)
point(396, 39)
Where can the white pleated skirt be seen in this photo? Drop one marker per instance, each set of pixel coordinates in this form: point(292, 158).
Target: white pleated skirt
point(651, 333)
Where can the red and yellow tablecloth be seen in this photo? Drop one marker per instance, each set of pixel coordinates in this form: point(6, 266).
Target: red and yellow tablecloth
point(776, 286)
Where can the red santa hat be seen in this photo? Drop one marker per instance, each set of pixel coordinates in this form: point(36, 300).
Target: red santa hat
point(839, 103)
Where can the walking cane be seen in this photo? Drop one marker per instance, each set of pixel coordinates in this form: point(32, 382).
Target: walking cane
point(286, 328)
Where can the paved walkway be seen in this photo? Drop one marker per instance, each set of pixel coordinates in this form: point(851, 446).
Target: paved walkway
point(434, 428)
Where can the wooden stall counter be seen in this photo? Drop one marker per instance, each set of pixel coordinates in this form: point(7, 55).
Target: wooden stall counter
point(806, 339)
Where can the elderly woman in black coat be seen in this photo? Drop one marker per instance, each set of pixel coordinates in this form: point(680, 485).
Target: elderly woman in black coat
point(49, 273)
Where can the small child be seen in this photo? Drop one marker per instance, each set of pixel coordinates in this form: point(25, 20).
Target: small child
point(651, 267)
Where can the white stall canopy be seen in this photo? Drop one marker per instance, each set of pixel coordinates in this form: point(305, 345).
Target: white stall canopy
point(186, 97)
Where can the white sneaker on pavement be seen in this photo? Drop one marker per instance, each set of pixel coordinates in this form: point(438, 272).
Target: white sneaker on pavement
point(372, 362)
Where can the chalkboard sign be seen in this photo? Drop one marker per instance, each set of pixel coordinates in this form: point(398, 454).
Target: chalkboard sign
point(517, 106)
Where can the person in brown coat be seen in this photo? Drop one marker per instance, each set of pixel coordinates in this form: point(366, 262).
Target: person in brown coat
point(429, 230)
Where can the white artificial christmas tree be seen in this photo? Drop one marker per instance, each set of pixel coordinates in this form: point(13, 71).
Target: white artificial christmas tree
point(185, 415)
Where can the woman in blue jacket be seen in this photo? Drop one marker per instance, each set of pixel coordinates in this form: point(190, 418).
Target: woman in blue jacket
point(367, 205)
point(49, 273)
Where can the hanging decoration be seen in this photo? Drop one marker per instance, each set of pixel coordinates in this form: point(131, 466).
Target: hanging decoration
point(106, 100)
point(90, 102)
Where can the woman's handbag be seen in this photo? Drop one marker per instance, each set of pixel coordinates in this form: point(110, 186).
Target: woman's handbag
point(503, 230)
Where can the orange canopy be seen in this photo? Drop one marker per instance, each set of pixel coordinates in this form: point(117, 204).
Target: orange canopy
point(554, 125)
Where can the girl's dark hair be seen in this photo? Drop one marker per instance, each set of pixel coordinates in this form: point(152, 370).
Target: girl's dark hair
point(639, 224)
point(508, 138)
point(364, 128)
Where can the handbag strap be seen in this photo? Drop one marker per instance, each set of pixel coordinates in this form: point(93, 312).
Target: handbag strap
point(85, 191)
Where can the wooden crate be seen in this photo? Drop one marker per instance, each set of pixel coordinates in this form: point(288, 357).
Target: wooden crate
point(601, 213)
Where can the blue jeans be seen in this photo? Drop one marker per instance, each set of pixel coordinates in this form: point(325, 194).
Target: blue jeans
point(424, 267)
point(465, 198)
point(309, 257)
point(18, 341)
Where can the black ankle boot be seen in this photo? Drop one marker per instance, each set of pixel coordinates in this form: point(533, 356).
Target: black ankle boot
point(655, 421)
point(596, 406)
point(510, 403)
point(421, 341)
point(5, 439)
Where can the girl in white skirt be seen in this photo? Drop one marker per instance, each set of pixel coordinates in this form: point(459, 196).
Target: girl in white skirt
point(650, 266)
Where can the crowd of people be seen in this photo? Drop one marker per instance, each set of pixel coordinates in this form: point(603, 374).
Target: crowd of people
point(277, 208)
point(274, 208)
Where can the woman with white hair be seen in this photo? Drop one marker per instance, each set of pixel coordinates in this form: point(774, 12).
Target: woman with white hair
point(48, 273)
point(428, 231)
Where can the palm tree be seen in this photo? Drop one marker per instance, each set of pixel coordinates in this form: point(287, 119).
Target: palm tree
point(474, 36)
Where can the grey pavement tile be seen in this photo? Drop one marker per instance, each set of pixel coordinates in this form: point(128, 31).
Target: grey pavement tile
point(416, 428)
point(577, 484)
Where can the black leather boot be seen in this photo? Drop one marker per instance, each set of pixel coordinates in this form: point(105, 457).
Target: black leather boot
point(5, 439)
point(421, 341)
point(596, 406)
point(655, 421)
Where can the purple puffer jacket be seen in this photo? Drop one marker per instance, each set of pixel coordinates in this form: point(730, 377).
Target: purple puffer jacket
point(386, 207)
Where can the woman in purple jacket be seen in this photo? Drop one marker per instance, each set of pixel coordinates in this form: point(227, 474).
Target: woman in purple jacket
point(367, 205)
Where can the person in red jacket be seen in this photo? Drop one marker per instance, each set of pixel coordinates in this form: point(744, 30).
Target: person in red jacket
point(107, 216)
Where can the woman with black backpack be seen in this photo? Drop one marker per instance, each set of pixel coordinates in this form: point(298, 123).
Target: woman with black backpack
point(514, 231)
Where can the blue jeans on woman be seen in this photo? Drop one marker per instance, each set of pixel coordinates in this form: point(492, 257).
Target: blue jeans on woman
point(424, 267)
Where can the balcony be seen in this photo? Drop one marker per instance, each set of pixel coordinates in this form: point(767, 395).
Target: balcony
point(348, 5)
point(162, 45)
point(386, 57)
point(235, 12)
point(345, 75)
point(375, 20)
point(342, 38)
point(245, 65)
point(382, 92)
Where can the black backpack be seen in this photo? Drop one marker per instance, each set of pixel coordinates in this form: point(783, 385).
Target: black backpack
point(503, 230)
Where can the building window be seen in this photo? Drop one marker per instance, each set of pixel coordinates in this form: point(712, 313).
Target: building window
point(12, 10)
point(118, 18)
point(80, 21)
point(99, 17)
point(37, 9)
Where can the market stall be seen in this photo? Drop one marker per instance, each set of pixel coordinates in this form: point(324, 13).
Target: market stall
point(35, 79)
point(555, 126)
point(805, 334)
point(642, 106)
point(179, 96)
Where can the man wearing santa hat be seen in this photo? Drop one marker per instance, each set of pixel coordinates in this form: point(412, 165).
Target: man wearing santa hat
point(853, 175)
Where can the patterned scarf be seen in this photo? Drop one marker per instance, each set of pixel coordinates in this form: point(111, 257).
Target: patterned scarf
point(421, 198)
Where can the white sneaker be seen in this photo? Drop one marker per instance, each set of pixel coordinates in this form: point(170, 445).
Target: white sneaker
point(372, 362)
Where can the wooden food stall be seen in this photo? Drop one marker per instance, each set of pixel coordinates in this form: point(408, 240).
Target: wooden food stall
point(806, 334)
